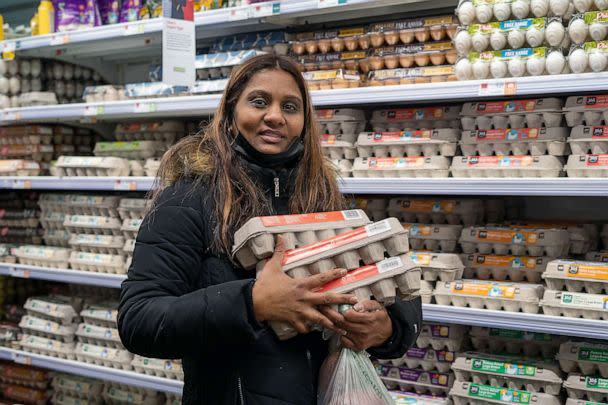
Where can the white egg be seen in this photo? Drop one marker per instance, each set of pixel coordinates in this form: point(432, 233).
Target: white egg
point(96, 76)
point(598, 31)
point(498, 68)
point(86, 73)
point(535, 66)
point(463, 70)
point(535, 36)
point(14, 85)
point(498, 40)
point(480, 41)
point(466, 13)
point(520, 8)
point(578, 61)
point(582, 5)
point(559, 7)
point(57, 71)
point(517, 67)
point(70, 89)
point(14, 102)
point(2, 67)
point(598, 61)
point(36, 67)
point(4, 87)
point(26, 85)
point(555, 33)
point(516, 39)
point(481, 70)
point(12, 68)
point(60, 88)
point(25, 68)
point(68, 72)
point(539, 8)
point(79, 89)
point(555, 62)
point(462, 42)
point(601, 4)
point(502, 11)
point(578, 30)
point(569, 13)
point(5, 102)
point(483, 12)
point(36, 84)
point(77, 72)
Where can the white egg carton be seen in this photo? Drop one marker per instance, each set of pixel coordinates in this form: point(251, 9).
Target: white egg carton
point(438, 211)
point(77, 386)
point(98, 262)
point(92, 224)
point(47, 347)
point(151, 167)
point(57, 308)
point(533, 113)
point(531, 344)
point(19, 167)
point(45, 256)
point(52, 220)
point(504, 240)
point(132, 208)
point(404, 397)
point(99, 335)
point(120, 394)
point(442, 337)
point(591, 110)
point(375, 208)
point(433, 237)
point(92, 205)
point(587, 387)
point(344, 167)
point(129, 150)
point(57, 237)
point(103, 314)
point(136, 167)
point(338, 147)
point(438, 266)
point(589, 140)
point(434, 166)
point(341, 120)
point(575, 305)
point(401, 119)
point(587, 166)
point(108, 244)
point(427, 359)
point(166, 131)
point(37, 98)
point(103, 356)
point(588, 358)
point(61, 398)
point(91, 166)
point(576, 276)
point(160, 368)
point(128, 262)
point(35, 326)
point(506, 166)
point(468, 393)
point(130, 227)
point(255, 239)
point(129, 246)
point(510, 297)
point(502, 268)
point(428, 142)
point(521, 141)
point(420, 381)
point(50, 202)
point(512, 372)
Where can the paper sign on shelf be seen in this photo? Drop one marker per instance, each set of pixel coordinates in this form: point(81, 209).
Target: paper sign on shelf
point(179, 42)
point(20, 273)
point(21, 359)
point(120, 185)
point(500, 88)
point(11, 116)
point(330, 3)
point(22, 184)
point(265, 9)
point(134, 29)
point(8, 50)
point(143, 108)
point(92, 111)
point(239, 13)
point(60, 39)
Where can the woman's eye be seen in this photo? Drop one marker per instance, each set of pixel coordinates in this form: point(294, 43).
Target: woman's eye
point(290, 107)
point(258, 102)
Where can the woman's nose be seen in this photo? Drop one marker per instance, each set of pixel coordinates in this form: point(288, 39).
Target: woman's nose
point(274, 116)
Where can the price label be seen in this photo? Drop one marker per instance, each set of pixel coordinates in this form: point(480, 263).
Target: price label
point(93, 111)
point(22, 184)
point(60, 39)
point(265, 9)
point(21, 273)
point(8, 50)
point(11, 116)
point(121, 185)
point(501, 88)
point(330, 3)
point(238, 13)
point(134, 29)
point(143, 108)
point(21, 359)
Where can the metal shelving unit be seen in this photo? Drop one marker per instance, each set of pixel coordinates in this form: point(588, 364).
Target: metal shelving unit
point(62, 275)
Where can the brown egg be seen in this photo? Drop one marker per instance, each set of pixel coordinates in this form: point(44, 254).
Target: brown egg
point(324, 66)
point(437, 79)
point(438, 58)
point(354, 83)
point(391, 37)
point(420, 80)
point(375, 62)
point(364, 65)
point(309, 67)
point(406, 80)
point(337, 64)
point(375, 82)
point(311, 46)
point(437, 32)
point(391, 82)
point(324, 45)
point(406, 36)
point(391, 61)
point(298, 48)
point(351, 43)
point(421, 34)
point(337, 44)
point(377, 39)
point(313, 86)
point(451, 56)
point(364, 41)
point(406, 60)
point(422, 59)
point(351, 64)
point(324, 85)
point(451, 30)
point(339, 84)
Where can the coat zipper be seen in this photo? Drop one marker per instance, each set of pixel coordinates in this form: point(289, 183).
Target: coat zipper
point(277, 192)
point(240, 388)
point(312, 376)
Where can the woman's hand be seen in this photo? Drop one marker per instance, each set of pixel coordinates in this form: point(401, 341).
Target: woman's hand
point(278, 297)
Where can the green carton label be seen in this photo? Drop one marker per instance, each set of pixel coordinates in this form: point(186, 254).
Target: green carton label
point(518, 334)
point(499, 394)
point(593, 354)
point(499, 367)
point(596, 383)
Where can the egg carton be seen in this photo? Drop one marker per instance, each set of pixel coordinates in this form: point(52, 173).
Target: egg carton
point(25, 375)
point(128, 262)
point(510, 297)
point(341, 120)
point(433, 237)
point(589, 140)
point(502, 241)
point(343, 167)
point(437, 211)
point(506, 166)
point(120, 394)
point(129, 150)
point(587, 166)
point(468, 393)
point(130, 227)
point(98, 205)
point(502, 268)
point(532, 113)
point(129, 246)
point(26, 134)
point(338, 147)
point(92, 224)
point(403, 398)
point(60, 398)
point(420, 381)
point(45, 256)
point(512, 372)
point(107, 244)
point(9, 333)
point(509, 141)
point(601, 256)
point(57, 237)
point(52, 220)
point(573, 401)
point(400, 119)
point(132, 208)
point(587, 387)
point(576, 276)
point(160, 368)
point(427, 359)
point(56, 308)
point(440, 337)
point(103, 356)
point(428, 142)
point(151, 167)
point(91, 166)
point(19, 167)
point(35, 326)
point(255, 239)
point(575, 305)
point(591, 110)
point(39, 153)
point(77, 386)
point(588, 358)
point(37, 98)
point(98, 335)
point(47, 347)
point(531, 344)
point(165, 131)
point(103, 314)
point(438, 266)
point(435, 166)
point(174, 399)
point(50, 202)
point(23, 218)
point(98, 262)
point(375, 208)
point(24, 395)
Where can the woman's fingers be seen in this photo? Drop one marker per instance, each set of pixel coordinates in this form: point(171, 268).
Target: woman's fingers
point(276, 261)
point(331, 299)
point(333, 315)
point(318, 280)
point(317, 318)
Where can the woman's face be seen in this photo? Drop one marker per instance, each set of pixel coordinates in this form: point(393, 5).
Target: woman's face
point(270, 111)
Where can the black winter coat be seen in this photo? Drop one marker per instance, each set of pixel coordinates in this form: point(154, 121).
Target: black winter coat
point(182, 302)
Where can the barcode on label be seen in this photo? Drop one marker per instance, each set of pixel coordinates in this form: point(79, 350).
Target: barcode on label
point(377, 228)
point(351, 214)
point(389, 264)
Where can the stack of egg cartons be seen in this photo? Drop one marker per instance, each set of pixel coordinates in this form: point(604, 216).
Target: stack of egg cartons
point(171, 369)
point(69, 389)
point(514, 138)
point(587, 366)
point(339, 129)
point(50, 325)
point(375, 208)
point(21, 84)
point(173, 399)
point(53, 209)
point(131, 211)
point(26, 147)
point(23, 384)
point(588, 29)
point(353, 240)
point(121, 394)
point(19, 219)
point(409, 142)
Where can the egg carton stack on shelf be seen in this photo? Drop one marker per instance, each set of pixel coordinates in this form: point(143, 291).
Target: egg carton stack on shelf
point(69, 389)
point(587, 366)
point(121, 394)
point(507, 38)
point(19, 219)
point(339, 129)
point(214, 69)
point(131, 212)
point(24, 384)
point(589, 32)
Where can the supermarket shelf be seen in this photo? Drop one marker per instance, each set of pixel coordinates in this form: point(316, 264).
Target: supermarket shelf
point(92, 371)
point(588, 328)
point(62, 275)
point(77, 183)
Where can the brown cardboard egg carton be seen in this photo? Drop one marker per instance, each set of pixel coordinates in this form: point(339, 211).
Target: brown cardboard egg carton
point(132, 207)
point(339, 147)
point(138, 150)
point(99, 205)
point(129, 247)
point(502, 268)
point(469, 393)
point(575, 305)
point(587, 166)
point(427, 359)
point(76, 386)
point(428, 142)
point(130, 227)
point(583, 237)
point(103, 314)
point(504, 240)
point(434, 166)
point(19, 167)
point(44, 256)
point(20, 218)
point(47, 347)
point(254, 241)
point(506, 166)
point(99, 335)
point(426, 291)
point(531, 344)
point(108, 244)
point(591, 110)
point(510, 141)
point(400, 119)
point(375, 208)
point(151, 167)
point(588, 358)
point(420, 381)
point(441, 336)
point(493, 295)
point(438, 211)
point(98, 262)
point(589, 140)
point(174, 399)
point(57, 237)
point(52, 220)
point(341, 120)
point(103, 356)
point(160, 368)
point(121, 394)
point(434, 237)
point(576, 276)
point(90, 166)
point(61, 398)
point(56, 308)
point(36, 326)
point(438, 266)
point(512, 372)
point(92, 224)
point(344, 167)
point(591, 388)
point(26, 134)
point(136, 168)
point(24, 395)
point(166, 131)
point(38, 153)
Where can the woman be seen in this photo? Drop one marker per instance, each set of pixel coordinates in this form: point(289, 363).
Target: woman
point(185, 298)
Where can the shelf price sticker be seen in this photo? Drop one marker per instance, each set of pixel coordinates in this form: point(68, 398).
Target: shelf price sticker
point(11, 116)
point(265, 9)
point(134, 29)
point(239, 13)
point(122, 185)
point(21, 359)
point(93, 111)
point(60, 39)
point(8, 50)
point(20, 273)
point(144, 108)
point(330, 3)
point(22, 184)
point(499, 88)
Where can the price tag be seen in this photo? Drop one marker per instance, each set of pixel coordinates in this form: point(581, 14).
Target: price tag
point(238, 13)
point(60, 39)
point(144, 108)
point(330, 3)
point(18, 272)
point(134, 29)
point(501, 88)
point(11, 116)
point(21, 359)
point(265, 9)
point(93, 111)
point(120, 185)
point(8, 50)
point(22, 184)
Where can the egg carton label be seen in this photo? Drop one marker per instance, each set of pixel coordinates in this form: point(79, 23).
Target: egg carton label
point(413, 375)
point(595, 160)
point(508, 134)
point(440, 331)
point(596, 383)
point(506, 106)
point(498, 367)
point(421, 259)
point(576, 270)
point(590, 301)
point(381, 137)
point(363, 273)
point(124, 396)
point(484, 290)
point(442, 356)
point(521, 24)
point(418, 230)
point(500, 161)
point(593, 354)
point(515, 262)
point(327, 139)
point(395, 163)
point(591, 17)
point(428, 206)
point(410, 114)
point(101, 314)
point(595, 46)
point(599, 132)
point(44, 343)
point(499, 394)
point(600, 101)
point(507, 236)
point(520, 335)
point(94, 257)
point(316, 218)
